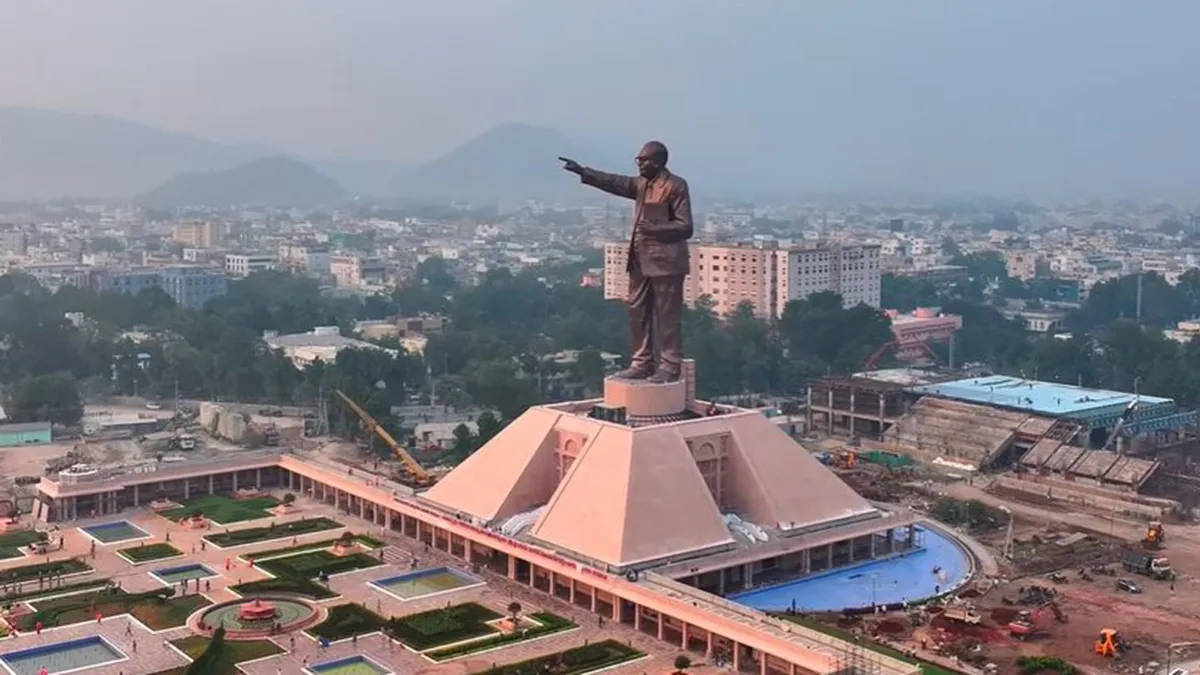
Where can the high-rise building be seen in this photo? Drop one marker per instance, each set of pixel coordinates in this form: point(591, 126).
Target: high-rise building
point(768, 278)
point(199, 235)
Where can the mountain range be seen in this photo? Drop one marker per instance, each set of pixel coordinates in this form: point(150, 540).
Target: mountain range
point(268, 181)
point(52, 155)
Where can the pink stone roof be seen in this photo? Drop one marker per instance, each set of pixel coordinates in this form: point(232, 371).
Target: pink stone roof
point(633, 496)
point(636, 495)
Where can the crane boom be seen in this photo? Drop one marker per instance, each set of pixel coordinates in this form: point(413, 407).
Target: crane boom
point(376, 428)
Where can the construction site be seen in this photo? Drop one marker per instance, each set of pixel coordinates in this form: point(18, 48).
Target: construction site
point(1081, 503)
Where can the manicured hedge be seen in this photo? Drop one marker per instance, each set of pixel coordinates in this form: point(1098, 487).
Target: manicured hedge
point(255, 534)
point(549, 623)
point(347, 621)
point(439, 627)
point(572, 661)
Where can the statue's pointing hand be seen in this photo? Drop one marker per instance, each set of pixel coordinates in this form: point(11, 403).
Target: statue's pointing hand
point(571, 165)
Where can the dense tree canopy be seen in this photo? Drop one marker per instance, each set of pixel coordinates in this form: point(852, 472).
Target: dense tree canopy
point(499, 350)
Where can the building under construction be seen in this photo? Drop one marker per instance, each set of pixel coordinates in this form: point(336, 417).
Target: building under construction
point(863, 405)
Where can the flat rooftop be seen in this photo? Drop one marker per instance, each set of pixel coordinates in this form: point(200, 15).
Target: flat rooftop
point(1034, 396)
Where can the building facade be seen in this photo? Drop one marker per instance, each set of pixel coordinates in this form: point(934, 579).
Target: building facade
point(767, 278)
point(243, 265)
point(192, 288)
point(199, 235)
point(29, 433)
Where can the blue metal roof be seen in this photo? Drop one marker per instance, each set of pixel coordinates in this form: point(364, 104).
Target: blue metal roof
point(1042, 398)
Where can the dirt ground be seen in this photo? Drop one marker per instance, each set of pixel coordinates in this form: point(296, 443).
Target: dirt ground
point(1048, 539)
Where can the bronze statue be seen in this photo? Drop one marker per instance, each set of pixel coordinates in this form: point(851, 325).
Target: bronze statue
point(658, 259)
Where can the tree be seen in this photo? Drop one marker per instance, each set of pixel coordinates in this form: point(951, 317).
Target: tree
point(514, 613)
point(46, 398)
point(464, 442)
point(488, 427)
point(682, 663)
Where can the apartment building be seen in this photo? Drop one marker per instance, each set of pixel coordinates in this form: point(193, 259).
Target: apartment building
point(353, 271)
point(306, 258)
point(199, 235)
point(190, 287)
point(768, 278)
point(243, 264)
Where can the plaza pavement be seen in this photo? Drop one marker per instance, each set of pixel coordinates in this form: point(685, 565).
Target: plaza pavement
point(154, 654)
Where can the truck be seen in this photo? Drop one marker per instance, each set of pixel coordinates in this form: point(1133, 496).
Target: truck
point(962, 615)
point(1148, 564)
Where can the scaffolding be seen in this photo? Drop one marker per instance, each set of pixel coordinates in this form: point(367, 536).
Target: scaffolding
point(857, 660)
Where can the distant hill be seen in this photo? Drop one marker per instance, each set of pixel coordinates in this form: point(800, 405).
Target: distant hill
point(269, 181)
point(511, 161)
point(47, 155)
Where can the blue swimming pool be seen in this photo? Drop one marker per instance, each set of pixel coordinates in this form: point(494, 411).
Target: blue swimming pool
point(905, 578)
point(111, 533)
point(174, 575)
point(352, 665)
point(61, 657)
point(425, 583)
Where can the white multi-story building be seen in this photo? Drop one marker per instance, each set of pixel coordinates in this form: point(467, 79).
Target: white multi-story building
point(768, 278)
point(243, 265)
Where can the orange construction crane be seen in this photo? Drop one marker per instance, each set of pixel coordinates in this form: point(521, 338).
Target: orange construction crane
point(414, 474)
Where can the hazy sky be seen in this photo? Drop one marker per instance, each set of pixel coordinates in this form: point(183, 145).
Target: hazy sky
point(890, 95)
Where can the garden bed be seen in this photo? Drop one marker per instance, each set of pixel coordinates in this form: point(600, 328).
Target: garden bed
point(222, 509)
point(32, 596)
point(141, 554)
point(444, 626)
point(152, 609)
point(232, 653)
point(14, 544)
point(16, 575)
point(256, 534)
point(363, 539)
point(346, 621)
point(295, 585)
point(314, 563)
point(548, 624)
point(583, 659)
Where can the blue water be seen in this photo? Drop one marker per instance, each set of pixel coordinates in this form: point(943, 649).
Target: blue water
point(174, 575)
point(901, 579)
point(352, 665)
point(121, 530)
point(60, 657)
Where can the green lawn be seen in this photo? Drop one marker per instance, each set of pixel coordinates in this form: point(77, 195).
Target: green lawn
point(224, 510)
point(364, 539)
point(583, 659)
point(35, 593)
point(548, 624)
point(233, 653)
point(297, 585)
point(281, 531)
point(141, 554)
point(926, 668)
point(310, 565)
point(16, 575)
point(347, 621)
point(443, 626)
point(149, 608)
point(11, 543)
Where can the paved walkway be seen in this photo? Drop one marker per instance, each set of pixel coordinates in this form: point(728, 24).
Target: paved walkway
point(154, 654)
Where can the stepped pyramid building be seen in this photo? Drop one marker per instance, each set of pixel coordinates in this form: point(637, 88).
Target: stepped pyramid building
point(650, 479)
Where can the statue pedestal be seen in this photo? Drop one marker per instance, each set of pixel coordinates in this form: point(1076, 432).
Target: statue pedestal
point(642, 399)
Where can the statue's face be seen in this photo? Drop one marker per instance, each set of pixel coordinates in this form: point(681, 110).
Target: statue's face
point(649, 161)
